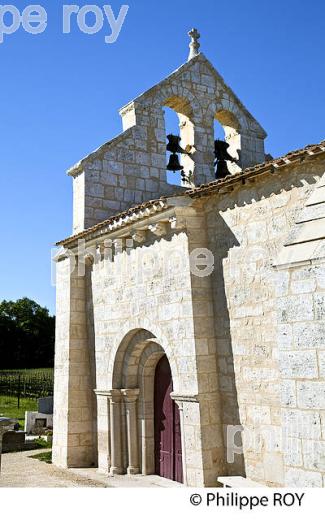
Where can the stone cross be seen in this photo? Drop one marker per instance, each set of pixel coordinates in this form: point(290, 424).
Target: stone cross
point(194, 45)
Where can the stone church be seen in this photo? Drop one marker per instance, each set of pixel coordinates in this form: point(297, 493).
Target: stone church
point(190, 338)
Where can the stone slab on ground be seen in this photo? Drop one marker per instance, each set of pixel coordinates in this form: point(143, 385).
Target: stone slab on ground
point(126, 481)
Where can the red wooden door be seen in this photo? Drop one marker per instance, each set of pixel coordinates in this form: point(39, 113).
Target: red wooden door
point(168, 446)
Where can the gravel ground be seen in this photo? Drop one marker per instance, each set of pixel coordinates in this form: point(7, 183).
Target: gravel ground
point(19, 470)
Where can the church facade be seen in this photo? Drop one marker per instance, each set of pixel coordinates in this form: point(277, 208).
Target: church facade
point(190, 338)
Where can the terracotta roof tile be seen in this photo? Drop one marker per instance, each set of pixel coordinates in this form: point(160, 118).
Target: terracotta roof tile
point(119, 216)
point(266, 167)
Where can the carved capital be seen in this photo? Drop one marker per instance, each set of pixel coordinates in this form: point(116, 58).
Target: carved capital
point(130, 395)
point(115, 396)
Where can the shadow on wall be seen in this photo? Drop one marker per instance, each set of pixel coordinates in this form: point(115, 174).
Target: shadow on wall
point(229, 405)
point(275, 183)
point(92, 361)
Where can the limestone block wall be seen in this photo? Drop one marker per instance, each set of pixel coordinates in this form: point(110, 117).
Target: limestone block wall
point(247, 228)
point(133, 293)
point(127, 292)
point(301, 339)
point(132, 167)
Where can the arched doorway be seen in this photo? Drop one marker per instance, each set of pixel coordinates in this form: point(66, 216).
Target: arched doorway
point(168, 445)
point(132, 429)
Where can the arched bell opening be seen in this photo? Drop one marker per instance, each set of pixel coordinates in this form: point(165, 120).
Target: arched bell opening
point(179, 160)
point(227, 144)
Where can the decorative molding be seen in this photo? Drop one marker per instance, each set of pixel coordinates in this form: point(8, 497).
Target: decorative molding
point(191, 398)
point(177, 223)
point(159, 229)
point(139, 236)
point(102, 392)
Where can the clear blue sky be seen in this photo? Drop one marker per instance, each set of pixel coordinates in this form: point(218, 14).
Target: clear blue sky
point(60, 95)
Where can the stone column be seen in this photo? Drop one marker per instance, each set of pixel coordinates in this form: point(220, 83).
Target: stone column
point(103, 431)
point(115, 398)
point(130, 399)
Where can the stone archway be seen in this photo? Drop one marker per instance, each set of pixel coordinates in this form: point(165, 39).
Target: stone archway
point(131, 408)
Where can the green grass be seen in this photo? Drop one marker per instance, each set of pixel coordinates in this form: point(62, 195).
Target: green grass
point(42, 443)
point(28, 371)
point(43, 457)
point(31, 382)
point(8, 408)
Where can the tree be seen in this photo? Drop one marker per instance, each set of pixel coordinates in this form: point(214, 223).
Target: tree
point(26, 335)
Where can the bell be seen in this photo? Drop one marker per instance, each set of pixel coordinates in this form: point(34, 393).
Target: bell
point(222, 169)
point(174, 164)
point(173, 145)
point(221, 151)
point(221, 157)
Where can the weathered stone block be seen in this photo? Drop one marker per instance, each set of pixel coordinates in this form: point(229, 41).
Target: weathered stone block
point(273, 468)
point(301, 424)
point(309, 335)
point(319, 306)
point(295, 477)
point(299, 365)
point(295, 308)
point(259, 414)
point(314, 455)
point(284, 336)
point(292, 451)
point(303, 286)
point(321, 363)
point(288, 393)
point(311, 394)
